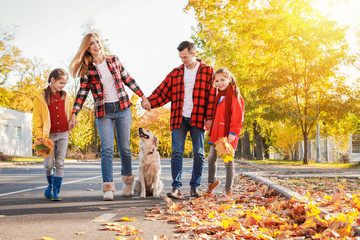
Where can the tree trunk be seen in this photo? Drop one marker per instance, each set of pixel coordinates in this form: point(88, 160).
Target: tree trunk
point(238, 152)
point(305, 148)
point(246, 153)
point(259, 147)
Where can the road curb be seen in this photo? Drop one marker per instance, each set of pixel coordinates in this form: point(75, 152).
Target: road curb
point(277, 187)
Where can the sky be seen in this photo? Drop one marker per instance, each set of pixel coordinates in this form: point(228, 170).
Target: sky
point(143, 33)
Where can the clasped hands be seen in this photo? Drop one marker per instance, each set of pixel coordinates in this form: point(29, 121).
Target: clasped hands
point(145, 104)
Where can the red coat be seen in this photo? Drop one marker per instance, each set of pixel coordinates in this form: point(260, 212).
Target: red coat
point(236, 120)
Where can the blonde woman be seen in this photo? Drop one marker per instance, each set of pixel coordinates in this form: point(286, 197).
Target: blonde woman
point(105, 76)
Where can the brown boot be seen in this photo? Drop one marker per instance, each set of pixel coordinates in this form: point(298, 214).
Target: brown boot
point(212, 186)
point(228, 194)
point(176, 193)
point(127, 180)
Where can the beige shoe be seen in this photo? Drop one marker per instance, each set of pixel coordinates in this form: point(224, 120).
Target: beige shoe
point(108, 189)
point(212, 186)
point(128, 180)
point(108, 196)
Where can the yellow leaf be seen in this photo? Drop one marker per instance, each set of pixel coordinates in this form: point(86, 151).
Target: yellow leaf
point(126, 219)
point(223, 208)
point(227, 158)
point(47, 238)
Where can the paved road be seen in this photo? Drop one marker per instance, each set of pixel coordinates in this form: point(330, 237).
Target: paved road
point(26, 214)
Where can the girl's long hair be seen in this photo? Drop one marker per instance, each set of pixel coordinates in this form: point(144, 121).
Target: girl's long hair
point(57, 74)
point(80, 63)
point(230, 76)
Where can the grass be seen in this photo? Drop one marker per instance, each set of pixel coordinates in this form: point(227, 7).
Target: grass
point(310, 164)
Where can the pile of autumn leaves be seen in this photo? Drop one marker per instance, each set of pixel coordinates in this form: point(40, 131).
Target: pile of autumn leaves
point(257, 212)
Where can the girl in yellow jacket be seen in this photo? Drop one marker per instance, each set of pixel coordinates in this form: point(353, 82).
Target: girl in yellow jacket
point(51, 116)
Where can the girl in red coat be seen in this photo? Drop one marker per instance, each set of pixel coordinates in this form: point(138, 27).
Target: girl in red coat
point(228, 117)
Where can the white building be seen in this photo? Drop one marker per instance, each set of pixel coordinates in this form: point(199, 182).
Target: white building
point(15, 132)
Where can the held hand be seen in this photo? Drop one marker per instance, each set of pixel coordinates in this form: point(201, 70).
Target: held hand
point(72, 122)
point(208, 124)
point(40, 139)
point(146, 104)
point(231, 138)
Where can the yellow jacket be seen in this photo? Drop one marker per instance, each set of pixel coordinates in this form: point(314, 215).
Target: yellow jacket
point(41, 116)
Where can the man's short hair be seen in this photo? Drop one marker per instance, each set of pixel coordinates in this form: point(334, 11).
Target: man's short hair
point(186, 44)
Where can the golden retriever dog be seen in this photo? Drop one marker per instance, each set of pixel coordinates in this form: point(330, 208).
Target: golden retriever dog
point(148, 183)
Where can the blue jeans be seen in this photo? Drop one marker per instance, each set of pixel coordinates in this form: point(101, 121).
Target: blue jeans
point(178, 137)
point(122, 121)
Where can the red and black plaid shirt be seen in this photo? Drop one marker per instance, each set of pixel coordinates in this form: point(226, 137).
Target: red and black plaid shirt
point(92, 81)
point(172, 89)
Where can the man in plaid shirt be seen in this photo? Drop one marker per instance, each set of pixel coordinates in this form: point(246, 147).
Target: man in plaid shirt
point(190, 90)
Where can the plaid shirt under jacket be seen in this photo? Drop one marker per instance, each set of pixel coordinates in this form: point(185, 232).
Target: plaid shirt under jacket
point(92, 81)
point(172, 89)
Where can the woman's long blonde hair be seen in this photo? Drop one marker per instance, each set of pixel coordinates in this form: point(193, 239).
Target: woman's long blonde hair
point(80, 63)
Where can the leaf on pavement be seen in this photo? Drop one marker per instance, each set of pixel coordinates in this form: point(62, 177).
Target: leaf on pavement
point(126, 219)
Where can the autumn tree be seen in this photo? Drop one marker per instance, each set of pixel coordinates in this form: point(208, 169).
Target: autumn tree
point(9, 56)
point(304, 84)
point(225, 37)
point(286, 64)
point(285, 138)
point(157, 121)
point(32, 78)
point(82, 138)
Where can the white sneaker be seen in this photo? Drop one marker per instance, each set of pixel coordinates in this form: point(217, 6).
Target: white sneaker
point(108, 196)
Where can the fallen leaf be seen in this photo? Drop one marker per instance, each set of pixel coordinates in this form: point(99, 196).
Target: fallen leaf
point(126, 219)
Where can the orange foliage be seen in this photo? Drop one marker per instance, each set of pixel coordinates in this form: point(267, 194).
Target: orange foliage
point(43, 148)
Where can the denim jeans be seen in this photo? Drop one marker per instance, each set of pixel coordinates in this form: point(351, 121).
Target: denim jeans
point(121, 120)
point(178, 137)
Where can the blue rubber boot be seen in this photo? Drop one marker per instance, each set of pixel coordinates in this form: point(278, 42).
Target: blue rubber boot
point(48, 190)
point(56, 188)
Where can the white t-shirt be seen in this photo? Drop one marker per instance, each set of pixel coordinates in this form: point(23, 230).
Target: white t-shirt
point(189, 82)
point(110, 92)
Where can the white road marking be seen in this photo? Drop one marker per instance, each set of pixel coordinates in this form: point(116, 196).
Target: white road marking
point(104, 217)
point(36, 188)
